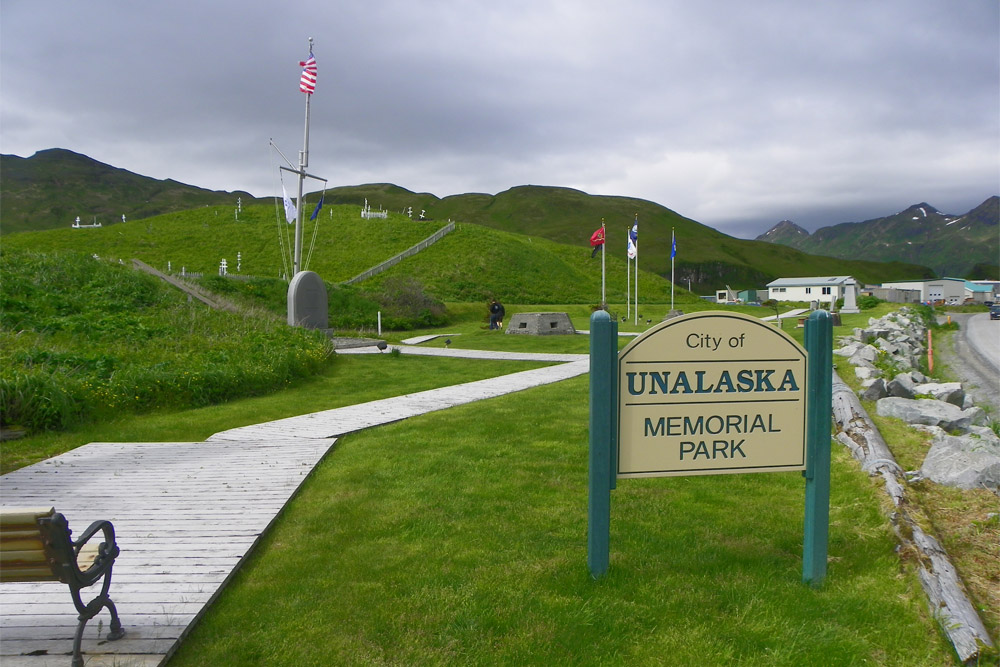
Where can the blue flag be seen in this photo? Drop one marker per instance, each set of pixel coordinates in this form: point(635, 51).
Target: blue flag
point(319, 205)
point(673, 245)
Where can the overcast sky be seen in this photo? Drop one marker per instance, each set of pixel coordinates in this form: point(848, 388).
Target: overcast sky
point(735, 114)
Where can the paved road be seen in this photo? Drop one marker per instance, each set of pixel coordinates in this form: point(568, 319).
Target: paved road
point(983, 335)
point(975, 357)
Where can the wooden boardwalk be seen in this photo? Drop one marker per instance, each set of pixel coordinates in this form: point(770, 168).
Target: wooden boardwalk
point(186, 514)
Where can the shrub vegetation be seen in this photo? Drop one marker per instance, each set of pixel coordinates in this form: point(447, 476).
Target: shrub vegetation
point(83, 338)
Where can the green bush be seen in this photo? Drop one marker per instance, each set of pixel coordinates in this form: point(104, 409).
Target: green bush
point(36, 400)
point(408, 306)
point(868, 301)
point(403, 302)
point(84, 338)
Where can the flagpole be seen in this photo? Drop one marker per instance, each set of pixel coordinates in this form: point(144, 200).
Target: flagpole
point(637, 271)
point(303, 163)
point(672, 246)
point(604, 299)
point(628, 278)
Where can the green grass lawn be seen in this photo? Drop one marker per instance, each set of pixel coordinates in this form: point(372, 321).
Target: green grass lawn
point(459, 537)
point(353, 379)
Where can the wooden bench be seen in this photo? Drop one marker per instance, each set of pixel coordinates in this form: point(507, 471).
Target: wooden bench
point(36, 545)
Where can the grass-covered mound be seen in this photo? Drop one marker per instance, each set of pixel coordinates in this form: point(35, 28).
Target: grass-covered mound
point(84, 339)
point(402, 302)
point(473, 263)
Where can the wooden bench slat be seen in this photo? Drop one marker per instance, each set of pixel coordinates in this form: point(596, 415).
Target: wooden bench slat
point(11, 558)
point(26, 573)
point(13, 517)
point(21, 542)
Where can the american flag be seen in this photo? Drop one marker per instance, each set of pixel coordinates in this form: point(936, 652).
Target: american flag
point(307, 83)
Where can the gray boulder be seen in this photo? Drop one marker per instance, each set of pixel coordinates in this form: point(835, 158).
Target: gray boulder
point(949, 392)
point(887, 346)
point(902, 386)
point(848, 349)
point(929, 412)
point(864, 356)
point(870, 334)
point(875, 390)
point(864, 373)
point(968, 461)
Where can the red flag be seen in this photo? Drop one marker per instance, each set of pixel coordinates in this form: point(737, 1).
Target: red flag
point(597, 238)
point(307, 83)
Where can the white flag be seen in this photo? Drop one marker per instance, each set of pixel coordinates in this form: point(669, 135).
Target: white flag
point(291, 215)
point(633, 240)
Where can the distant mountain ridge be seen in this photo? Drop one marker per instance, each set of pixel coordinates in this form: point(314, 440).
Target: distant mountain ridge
point(953, 245)
point(786, 232)
point(47, 191)
point(52, 187)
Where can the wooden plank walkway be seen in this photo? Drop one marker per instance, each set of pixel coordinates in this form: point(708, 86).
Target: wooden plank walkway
point(186, 514)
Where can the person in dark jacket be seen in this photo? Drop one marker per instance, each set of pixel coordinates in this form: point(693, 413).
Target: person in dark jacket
point(496, 314)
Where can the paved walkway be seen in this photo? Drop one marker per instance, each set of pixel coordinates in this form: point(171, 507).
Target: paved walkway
point(784, 316)
point(186, 514)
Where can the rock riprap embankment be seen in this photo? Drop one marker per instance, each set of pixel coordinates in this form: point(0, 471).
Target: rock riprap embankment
point(964, 453)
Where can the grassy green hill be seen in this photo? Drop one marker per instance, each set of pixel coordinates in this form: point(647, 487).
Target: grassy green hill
point(707, 258)
point(472, 263)
point(52, 187)
point(48, 190)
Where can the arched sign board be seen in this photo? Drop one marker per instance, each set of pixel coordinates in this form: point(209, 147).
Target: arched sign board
point(711, 393)
point(705, 394)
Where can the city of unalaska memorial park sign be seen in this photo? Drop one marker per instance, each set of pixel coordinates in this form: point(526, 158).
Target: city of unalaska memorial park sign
point(711, 393)
point(705, 394)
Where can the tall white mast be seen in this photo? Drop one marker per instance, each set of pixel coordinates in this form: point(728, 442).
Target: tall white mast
point(303, 163)
point(636, 227)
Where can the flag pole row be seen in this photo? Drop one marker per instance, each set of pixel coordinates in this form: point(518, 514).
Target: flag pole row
point(597, 241)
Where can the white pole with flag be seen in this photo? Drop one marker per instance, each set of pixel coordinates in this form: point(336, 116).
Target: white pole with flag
point(307, 84)
point(673, 253)
point(628, 274)
point(604, 299)
point(634, 235)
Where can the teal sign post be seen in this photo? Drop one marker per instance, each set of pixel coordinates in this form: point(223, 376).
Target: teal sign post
point(819, 347)
point(705, 394)
point(603, 433)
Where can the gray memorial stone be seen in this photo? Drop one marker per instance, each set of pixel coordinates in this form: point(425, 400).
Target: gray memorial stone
point(540, 324)
point(850, 298)
point(307, 302)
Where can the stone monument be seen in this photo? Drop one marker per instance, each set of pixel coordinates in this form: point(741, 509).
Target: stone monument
point(540, 324)
point(307, 301)
point(850, 298)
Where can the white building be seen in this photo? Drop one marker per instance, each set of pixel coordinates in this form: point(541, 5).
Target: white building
point(979, 292)
point(993, 285)
point(949, 290)
point(826, 289)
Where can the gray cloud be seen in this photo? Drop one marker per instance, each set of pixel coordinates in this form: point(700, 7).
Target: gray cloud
point(734, 114)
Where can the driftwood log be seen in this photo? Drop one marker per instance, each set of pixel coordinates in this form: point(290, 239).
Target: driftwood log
point(945, 592)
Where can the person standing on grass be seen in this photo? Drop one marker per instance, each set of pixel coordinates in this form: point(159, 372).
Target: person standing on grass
point(496, 313)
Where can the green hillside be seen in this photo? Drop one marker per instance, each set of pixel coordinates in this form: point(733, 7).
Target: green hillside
point(957, 246)
point(707, 258)
point(48, 190)
point(52, 187)
point(472, 263)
